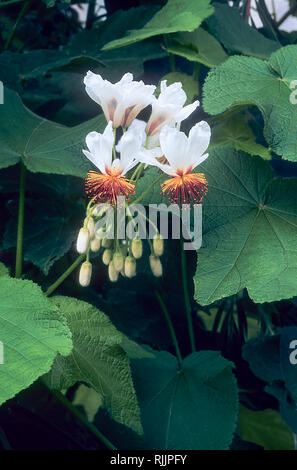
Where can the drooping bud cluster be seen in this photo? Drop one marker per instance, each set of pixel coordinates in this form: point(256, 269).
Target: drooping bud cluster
point(118, 255)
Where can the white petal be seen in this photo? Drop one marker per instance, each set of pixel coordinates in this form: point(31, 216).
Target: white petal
point(100, 147)
point(174, 145)
point(186, 111)
point(148, 157)
point(198, 142)
point(173, 94)
point(129, 146)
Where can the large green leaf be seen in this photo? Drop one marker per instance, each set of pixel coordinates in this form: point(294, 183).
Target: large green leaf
point(43, 146)
point(97, 359)
point(235, 131)
point(246, 80)
point(194, 407)
point(237, 35)
point(250, 228)
point(32, 331)
point(198, 46)
point(49, 230)
point(174, 16)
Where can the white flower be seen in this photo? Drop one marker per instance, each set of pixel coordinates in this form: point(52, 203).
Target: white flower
point(168, 108)
point(111, 182)
point(178, 155)
point(182, 153)
point(101, 151)
point(121, 102)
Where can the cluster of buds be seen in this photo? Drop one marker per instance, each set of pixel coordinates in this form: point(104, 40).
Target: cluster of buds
point(118, 255)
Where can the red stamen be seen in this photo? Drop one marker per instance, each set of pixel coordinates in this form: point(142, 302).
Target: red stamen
point(187, 188)
point(106, 188)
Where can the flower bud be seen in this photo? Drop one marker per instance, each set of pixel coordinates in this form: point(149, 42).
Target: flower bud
point(136, 247)
point(85, 274)
point(90, 226)
point(118, 261)
point(158, 244)
point(95, 244)
point(106, 242)
point(112, 272)
point(156, 266)
point(106, 257)
point(130, 266)
point(95, 211)
point(83, 240)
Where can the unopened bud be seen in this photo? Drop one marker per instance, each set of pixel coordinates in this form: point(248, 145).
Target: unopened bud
point(156, 266)
point(85, 274)
point(95, 211)
point(112, 272)
point(106, 257)
point(136, 248)
point(83, 240)
point(158, 244)
point(130, 266)
point(118, 261)
point(106, 242)
point(90, 226)
point(95, 244)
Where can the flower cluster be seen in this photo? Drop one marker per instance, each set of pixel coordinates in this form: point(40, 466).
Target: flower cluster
point(159, 143)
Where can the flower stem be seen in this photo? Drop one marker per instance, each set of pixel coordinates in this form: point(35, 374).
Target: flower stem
point(68, 271)
point(9, 3)
point(171, 56)
point(20, 232)
point(16, 25)
point(83, 420)
point(170, 326)
point(146, 191)
point(186, 295)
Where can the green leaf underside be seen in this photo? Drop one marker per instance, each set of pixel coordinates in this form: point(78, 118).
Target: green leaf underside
point(43, 146)
point(235, 131)
point(194, 408)
point(246, 80)
point(265, 428)
point(32, 331)
point(250, 228)
point(233, 31)
point(174, 16)
point(97, 359)
point(198, 46)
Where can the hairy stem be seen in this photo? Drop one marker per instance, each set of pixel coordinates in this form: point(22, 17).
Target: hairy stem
point(83, 420)
point(20, 232)
point(170, 326)
point(9, 3)
point(62, 278)
point(16, 25)
point(186, 295)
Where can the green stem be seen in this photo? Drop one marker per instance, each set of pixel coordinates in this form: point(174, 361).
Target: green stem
point(20, 232)
point(91, 14)
point(15, 27)
point(83, 420)
point(186, 294)
point(196, 72)
point(9, 3)
point(147, 191)
point(171, 56)
point(68, 271)
point(170, 326)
